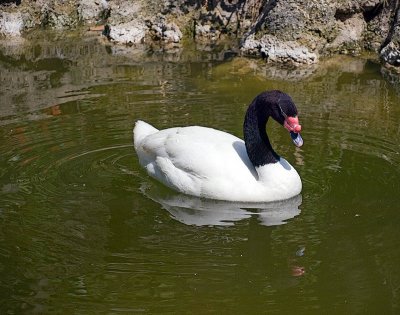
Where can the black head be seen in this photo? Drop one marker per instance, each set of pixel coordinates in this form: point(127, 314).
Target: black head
point(276, 104)
point(282, 107)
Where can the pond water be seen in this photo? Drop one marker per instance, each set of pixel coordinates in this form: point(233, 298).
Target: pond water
point(84, 230)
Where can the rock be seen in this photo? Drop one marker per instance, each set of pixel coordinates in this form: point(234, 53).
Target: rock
point(206, 32)
point(304, 27)
point(91, 11)
point(131, 22)
point(289, 20)
point(126, 23)
point(122, 12)
point(390, 54)
point(128, 33)
point(275, 50)
point(347, 8)
point(160, 30)
point(172, 34)
point(251, 46)
point(11, 23)
point(57, 15)
point(350, 36)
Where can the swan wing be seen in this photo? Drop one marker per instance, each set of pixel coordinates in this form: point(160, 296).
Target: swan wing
point(196, 160)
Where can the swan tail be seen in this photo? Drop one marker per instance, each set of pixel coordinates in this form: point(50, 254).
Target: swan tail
point(141, 131)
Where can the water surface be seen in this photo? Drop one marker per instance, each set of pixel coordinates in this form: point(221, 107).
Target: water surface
point(84, 230)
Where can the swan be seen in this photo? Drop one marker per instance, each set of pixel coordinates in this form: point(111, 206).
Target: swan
point(209, 163)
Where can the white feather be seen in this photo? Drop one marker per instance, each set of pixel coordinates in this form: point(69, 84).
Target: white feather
point(209, 163)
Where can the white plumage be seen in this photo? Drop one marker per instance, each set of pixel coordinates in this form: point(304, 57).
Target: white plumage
point(209, 163)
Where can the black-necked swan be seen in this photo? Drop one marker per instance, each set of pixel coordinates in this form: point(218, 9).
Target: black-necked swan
point(210, 163)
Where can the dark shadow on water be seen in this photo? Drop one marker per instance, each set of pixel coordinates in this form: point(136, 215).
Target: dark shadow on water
point(196, 211)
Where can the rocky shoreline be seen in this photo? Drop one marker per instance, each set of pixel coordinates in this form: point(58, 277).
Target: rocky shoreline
point(295, 32)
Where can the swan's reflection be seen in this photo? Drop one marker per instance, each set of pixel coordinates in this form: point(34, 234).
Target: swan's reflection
point(198, 211)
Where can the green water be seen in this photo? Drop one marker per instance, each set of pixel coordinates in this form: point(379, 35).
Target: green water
point(83, 230)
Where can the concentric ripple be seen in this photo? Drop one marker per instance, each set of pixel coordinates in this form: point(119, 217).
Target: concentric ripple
point(49, 165)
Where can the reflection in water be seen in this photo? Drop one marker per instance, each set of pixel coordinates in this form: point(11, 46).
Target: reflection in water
point(192, 210)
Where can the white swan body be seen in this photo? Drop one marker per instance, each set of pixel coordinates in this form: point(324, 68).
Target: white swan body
point(209, 163)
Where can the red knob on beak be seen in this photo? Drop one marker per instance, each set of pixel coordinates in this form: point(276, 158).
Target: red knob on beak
point(292, 124)
point(297, 128)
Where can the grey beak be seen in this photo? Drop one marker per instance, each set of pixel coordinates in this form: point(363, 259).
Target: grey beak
point(297, 139)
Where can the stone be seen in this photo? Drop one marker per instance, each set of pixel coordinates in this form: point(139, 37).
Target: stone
point(278, 51)
point(290, 19)
point(58, 15)
point(91, 11)
point(160, 30)
point(350, 35)
point(128, 33)
point(390, 54)
point(172, 35)
point(126, 11)
point(11, 23)
point(206, 32)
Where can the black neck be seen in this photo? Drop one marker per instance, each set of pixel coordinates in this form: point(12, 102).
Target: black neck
point(258, 147)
